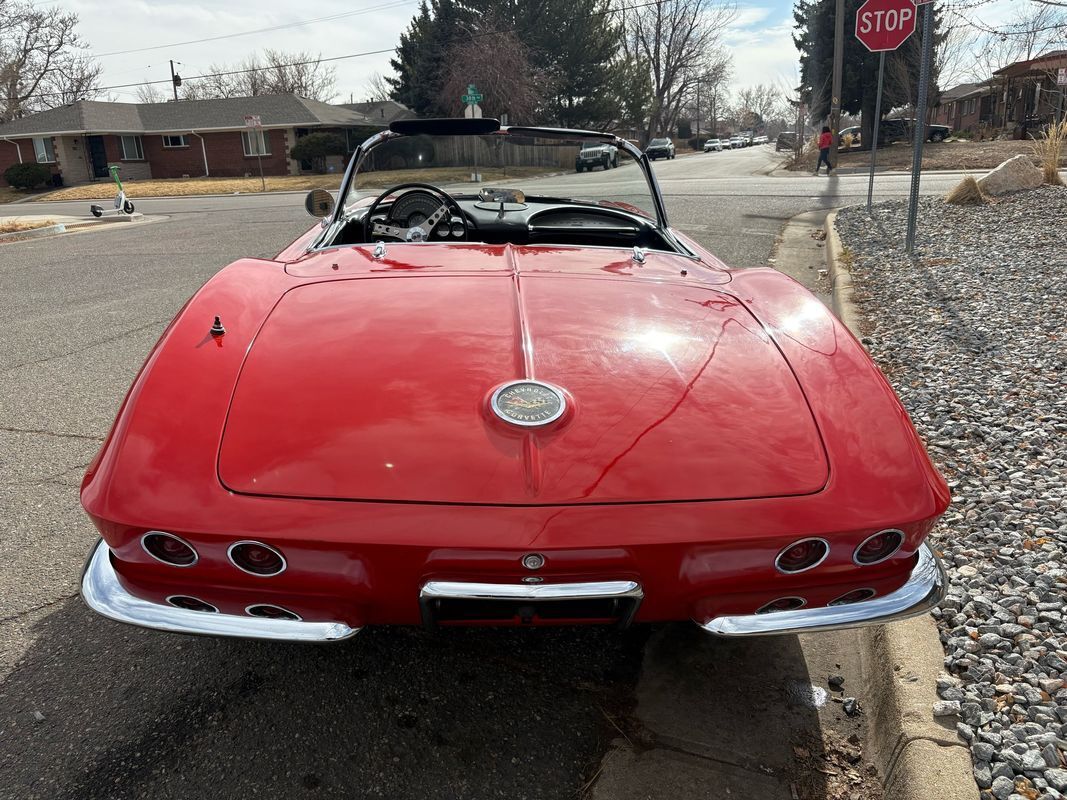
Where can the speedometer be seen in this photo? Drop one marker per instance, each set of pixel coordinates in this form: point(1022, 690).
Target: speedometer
point(413, 209)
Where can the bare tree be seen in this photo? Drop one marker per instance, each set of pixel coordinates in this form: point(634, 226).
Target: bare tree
point(676, 39)
point(40, 66)
point(504, 73)
point(277, 72)
point(150, 93)
point(757, 103)
point(377, 89)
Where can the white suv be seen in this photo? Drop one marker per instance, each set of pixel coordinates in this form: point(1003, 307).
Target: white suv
point(713, 144)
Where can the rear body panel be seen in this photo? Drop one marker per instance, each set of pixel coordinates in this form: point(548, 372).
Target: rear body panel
point(363, 556)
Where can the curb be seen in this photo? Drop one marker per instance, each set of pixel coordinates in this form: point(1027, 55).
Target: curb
point(917, 755)
point(33, 233)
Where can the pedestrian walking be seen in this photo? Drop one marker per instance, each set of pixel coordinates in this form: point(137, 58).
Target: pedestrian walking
point(826, 141)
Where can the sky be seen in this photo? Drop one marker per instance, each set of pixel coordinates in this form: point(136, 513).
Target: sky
point(760, 39)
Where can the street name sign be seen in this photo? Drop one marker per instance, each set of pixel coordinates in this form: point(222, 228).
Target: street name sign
point(473, 97)
point(883, 25)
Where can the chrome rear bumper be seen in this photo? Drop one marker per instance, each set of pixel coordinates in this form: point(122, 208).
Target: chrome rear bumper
point(924, 589)
point(104, 594)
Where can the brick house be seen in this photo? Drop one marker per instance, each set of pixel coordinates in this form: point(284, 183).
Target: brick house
point(1030, 96)
point(188, 138)
point(967, 107)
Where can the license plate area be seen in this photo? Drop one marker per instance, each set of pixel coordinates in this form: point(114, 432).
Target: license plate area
point(446, 603)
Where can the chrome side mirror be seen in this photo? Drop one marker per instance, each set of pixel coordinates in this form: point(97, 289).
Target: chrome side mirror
point(319, 203)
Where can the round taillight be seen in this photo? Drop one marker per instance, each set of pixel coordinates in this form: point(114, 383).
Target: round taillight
point(802, 555)
point(191, 603)
point(782, 604)
point(267, 611)
point(855, 596)
point(256, 558)
point(169, 549)
point(877, 548)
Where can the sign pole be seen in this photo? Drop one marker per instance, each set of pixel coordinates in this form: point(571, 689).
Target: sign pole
point(876, 128)
point(839, 66)
point(920, 124)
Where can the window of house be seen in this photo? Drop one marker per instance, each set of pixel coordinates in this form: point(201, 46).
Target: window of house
point(256, 143)
point(174, 141)
point(42, 146)
point(131, 148)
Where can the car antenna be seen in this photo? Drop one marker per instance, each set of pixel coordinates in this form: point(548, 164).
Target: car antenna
point(217, 328)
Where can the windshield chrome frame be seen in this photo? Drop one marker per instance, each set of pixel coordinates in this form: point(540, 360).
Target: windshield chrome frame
point(547, 133)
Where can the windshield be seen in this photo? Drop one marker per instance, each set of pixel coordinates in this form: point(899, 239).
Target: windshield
point(551, 167)
point(657, 142)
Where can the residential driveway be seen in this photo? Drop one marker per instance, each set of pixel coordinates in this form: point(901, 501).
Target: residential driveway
point(94, 709)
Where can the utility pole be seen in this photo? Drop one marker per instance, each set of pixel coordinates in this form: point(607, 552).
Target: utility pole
point(839, 67)
point(697, 134)
point(175, 79)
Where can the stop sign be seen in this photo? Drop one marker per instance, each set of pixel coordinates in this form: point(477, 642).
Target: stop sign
point(885, 24)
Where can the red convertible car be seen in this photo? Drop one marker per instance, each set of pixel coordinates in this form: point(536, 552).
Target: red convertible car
point(485, 390)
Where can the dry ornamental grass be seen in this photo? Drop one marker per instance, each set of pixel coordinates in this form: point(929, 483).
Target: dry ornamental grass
point(17, 226)
point(1050, 150)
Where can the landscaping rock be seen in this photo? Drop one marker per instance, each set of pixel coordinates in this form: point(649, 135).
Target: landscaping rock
point(1014, 175)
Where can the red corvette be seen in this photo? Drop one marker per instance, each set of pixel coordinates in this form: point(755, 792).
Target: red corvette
point(515, 396)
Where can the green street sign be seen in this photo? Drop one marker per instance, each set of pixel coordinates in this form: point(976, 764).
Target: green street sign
point(473, 97)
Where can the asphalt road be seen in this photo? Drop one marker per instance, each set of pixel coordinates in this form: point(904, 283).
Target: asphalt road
point(93, 709)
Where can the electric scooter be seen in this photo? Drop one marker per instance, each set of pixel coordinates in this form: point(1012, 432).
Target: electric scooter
point(122, 205)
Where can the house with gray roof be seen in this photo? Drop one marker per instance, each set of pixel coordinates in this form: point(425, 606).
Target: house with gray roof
point(187, 138)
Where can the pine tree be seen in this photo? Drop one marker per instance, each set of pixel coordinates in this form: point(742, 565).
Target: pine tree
point(815, 41)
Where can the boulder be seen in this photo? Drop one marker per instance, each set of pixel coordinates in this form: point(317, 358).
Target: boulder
point(1014, 175)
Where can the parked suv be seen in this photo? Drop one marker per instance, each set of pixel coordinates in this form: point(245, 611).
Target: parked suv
point(900, 130)
point(596, 154)
point(713, 144)
point(660, 148)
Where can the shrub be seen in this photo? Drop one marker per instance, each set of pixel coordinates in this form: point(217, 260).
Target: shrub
point(315, 147)
point(1050, 149)
point(697, 142)
point(27, 176)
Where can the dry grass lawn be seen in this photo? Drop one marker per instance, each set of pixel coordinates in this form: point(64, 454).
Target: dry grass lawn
point(9, 195)
point(186, 187)
point(15, 226)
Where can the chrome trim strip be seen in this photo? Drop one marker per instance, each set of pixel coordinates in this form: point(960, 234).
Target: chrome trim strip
point(275, 550)
point(196, 555)
point(900, 543)
point(924, 589)
point(456, 590)
point(825, 555)
point(104, 594)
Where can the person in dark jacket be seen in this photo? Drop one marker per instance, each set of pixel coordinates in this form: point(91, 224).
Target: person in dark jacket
point(826, 141)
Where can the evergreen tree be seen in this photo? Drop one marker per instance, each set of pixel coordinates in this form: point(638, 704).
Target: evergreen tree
point(814, 38)
point(573, 43)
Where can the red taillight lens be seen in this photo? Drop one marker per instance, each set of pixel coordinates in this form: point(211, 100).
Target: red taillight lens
point(169, 549)
point(802, 555)
point(268, 611)
point(879, 547)
point(191, 603)
point(256, 558)
point(856, 596)
point(782, 604)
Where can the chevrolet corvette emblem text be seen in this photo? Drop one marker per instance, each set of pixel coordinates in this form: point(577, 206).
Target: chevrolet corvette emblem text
point(528, 403)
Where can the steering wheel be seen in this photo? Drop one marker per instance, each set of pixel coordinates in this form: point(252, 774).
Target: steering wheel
point(416, 233)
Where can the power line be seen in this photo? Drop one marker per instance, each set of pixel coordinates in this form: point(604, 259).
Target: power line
point(294, 24)
point(472, 35)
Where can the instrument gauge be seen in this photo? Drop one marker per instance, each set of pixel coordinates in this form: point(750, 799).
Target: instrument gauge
point(457, 228)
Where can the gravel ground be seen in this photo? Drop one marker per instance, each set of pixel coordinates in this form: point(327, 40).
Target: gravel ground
point(972, 335)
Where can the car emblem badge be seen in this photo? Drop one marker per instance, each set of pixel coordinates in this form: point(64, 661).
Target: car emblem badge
point(529, 404)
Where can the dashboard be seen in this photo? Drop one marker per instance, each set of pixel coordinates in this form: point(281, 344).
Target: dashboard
point(536, 220)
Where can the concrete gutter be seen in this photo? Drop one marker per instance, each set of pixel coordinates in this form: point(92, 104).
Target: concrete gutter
point(917, 755)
